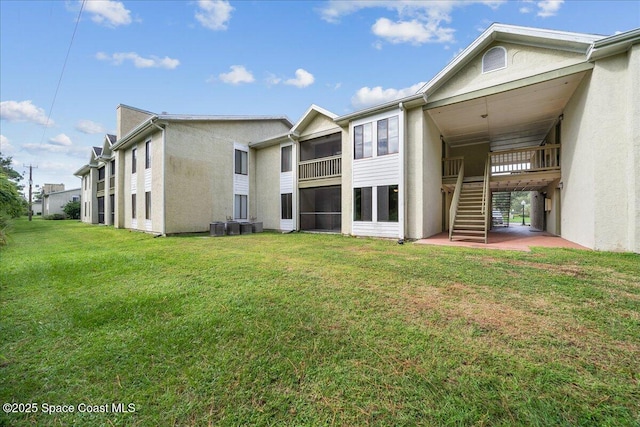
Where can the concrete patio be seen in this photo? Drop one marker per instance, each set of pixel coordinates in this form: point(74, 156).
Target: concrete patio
point(514, 237)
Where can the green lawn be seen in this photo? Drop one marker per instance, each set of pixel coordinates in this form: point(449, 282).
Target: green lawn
point(309, 329)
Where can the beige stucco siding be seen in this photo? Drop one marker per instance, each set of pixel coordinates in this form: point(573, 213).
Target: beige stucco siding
point(522, 61)
point(320, 125)
point(475, 158)
point(432, 179)
point(267, 186)
point(128, 118)
point(634, 148)
point(199, 167)
point(414, 172)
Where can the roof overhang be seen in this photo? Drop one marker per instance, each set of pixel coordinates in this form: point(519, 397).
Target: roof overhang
point(407, 102)
point(276, 140)
point(613, 45)
point(82, 171)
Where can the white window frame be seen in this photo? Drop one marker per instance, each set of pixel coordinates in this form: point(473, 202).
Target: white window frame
point(504, 52)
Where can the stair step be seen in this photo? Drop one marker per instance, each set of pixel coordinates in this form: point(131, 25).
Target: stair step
point(468, 232)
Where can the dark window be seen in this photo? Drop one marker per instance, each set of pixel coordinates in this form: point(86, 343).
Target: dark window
point(100, 210)
point(147, 155)
point(242, 166)
point(112, 203)
point(388, 136)
point(286, 206)
point(362, 204)
point(285, 159)
point(133, 160)
point(324, 146)
point(133, 206)
point(112, 165)
point(362, 141)
point(240, 208)
point(388, 203)
point(85, 208)
point(320, 208)
point(147, 205)
point(101, 173)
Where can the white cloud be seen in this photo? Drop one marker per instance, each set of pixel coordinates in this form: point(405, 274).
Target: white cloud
point(237, 75)
point(61, 140)
point(23, 111)
point(303, 79)
point(214, 14)
point(5, 145)
point(108, 12)
point(366, 96)
point(138, 61)
point(549, 7)
point(89, 127)
point(414, 31)
point(272, 79)
point(418, 21)
point(34, 148)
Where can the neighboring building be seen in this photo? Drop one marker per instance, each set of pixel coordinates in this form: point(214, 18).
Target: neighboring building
point(52, 188)
point(54, 203)
point(36, 207)
point(550, 112)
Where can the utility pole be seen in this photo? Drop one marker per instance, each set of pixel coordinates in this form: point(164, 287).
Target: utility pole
point(30, 189)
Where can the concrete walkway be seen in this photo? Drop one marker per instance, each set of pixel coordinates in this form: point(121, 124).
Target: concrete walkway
point(515, 237)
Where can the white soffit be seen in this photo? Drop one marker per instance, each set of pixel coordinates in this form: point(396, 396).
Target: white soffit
point(509, 119)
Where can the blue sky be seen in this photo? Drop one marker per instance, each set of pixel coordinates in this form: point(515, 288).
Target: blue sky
point(233, 58)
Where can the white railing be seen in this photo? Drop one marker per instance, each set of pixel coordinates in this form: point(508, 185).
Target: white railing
point(534, 159)
point(486, 197)
point(451, 166)
point(456, 199)
point(325, 167)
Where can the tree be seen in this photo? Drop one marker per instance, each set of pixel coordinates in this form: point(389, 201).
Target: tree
point(12, 204)
point(72, 210)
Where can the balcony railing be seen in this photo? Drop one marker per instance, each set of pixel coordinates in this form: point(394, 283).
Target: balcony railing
point(451, 166)
point(112, 182)
point(326, 167)
point(100, 186)
point(534, 159)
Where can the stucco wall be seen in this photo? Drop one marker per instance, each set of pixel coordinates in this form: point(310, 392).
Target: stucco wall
point(267, 186)
point(522, 61)
point(199, 167)
point(127, 119)
point(414, 173)
point(432, 199)
point(577, 157)
point(475, 158)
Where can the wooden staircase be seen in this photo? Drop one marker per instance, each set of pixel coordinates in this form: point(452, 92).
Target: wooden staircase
point(470, 222)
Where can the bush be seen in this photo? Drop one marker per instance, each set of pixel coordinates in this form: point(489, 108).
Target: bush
point(56, 216)
point(72, 209)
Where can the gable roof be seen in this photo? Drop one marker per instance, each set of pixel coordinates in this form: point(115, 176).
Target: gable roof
point(312, 112)
point(151, 122)
point(614, 44)
point(560, 40)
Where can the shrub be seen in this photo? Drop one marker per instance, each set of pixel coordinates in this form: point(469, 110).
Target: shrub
point(55, 216)
point(72, 209)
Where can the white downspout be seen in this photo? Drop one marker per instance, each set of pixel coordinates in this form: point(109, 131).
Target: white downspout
point(164, 180)
point(402, 184)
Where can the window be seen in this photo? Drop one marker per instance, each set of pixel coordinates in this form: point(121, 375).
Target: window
point(324, 146)
point(147, 155)
point(494, 59)
point(388, 203)
point(112, 165)
point(362, 141)
point(388, 136)
point(242, 166)
point(286, 206)
point(285, 158)
point(85, 209)
point(362, 200)
point(75, 198)
point(240, 208)
point(133, 160)
point(147, 205)
point(133, 206)
point(86, 182)
point(101, 174)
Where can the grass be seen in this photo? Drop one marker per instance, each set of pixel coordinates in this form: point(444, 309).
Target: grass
point(308, 329)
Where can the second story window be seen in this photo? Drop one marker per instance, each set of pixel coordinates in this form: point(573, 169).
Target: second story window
point(285, 158)
point(388, 136)
point(362, 138)
point(101, 174)
point(241, 162)
point(112, 167)
point(134, 160)
point(147, 155)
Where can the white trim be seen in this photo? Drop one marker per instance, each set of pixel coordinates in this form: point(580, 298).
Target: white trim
point(504, 55)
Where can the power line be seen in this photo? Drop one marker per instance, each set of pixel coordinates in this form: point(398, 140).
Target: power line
point(64, 66)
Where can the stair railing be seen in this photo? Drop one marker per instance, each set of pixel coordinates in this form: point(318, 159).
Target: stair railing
point(486, 202)
point(456, 199)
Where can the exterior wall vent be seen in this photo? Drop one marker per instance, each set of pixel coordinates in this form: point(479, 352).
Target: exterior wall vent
point(494, 59)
